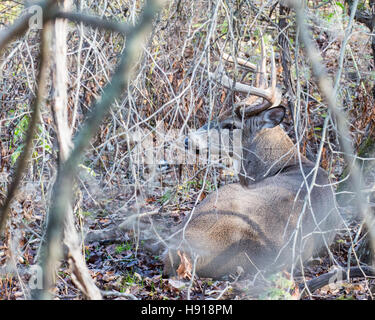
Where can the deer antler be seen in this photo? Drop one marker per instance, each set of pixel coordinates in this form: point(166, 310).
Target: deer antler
point(242, 62)
point(271, 95)
point(260, 80)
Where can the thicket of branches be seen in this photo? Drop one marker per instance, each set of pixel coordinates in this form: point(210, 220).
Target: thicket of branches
point(170, 90)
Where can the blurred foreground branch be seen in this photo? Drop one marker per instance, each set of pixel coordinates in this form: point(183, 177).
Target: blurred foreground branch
point(79, 271)
point(329, 93)
point(62, 191)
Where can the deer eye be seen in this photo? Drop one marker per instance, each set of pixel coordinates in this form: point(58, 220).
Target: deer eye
point(228, 126)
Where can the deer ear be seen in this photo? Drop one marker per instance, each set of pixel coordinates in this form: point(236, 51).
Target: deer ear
point(273, 117)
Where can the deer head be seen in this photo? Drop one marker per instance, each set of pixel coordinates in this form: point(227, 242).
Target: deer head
point(264, 148)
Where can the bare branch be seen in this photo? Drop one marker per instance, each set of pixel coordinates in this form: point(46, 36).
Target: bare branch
point(93, 21)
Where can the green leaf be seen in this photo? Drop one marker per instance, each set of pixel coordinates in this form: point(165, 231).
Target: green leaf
point(340, 5)
point(224, 27)
point(88, 170)
point(329, 17)
point(16, 153)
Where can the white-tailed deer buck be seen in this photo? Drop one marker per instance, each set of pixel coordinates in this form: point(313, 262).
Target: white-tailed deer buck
point(282, 210)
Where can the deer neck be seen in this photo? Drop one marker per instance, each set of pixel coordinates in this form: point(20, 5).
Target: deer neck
point(270, 152)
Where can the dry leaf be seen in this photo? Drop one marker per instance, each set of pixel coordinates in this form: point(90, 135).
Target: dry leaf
point(184, 269)
point(296, 294)
point(202, 196)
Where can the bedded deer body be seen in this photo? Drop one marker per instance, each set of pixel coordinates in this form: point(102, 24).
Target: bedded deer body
point(280, 212)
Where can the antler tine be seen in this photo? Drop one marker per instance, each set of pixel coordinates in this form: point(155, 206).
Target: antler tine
point(242, 62)
point(275, 92)
point(262, 73)
point(273, 71)
point(274, 95)
point(228, 83)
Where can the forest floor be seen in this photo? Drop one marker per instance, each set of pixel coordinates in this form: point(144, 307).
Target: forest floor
point(123, 268)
